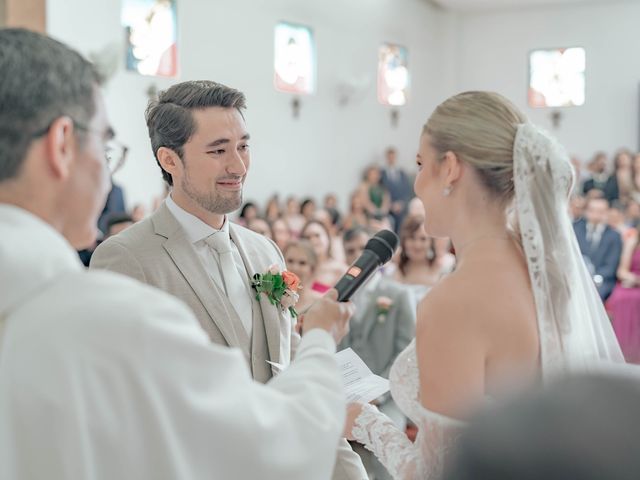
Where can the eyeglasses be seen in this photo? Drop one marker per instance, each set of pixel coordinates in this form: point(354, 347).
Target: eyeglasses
point(115, 152)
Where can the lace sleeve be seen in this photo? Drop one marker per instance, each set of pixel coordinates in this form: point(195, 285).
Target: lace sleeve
point(405, 460)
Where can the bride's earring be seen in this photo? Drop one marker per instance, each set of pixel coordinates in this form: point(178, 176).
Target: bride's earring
point(447, 191)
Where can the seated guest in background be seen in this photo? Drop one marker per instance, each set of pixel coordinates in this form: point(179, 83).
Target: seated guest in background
point(308, 209)
point(400, 187)
point(617, 221)
point(301, 260)
point(248, 212)
point(418, 265)
point(601, 245)
point(293, 217)
point(102, 377)
point(580, 428)
point(272, 210)
point(383, 325)
point(117, 223)
point(326, 219)
point(620, 183)
point(261, 226)
point(357, 216)
point(331, 206)
point(624, 303)
point(375, 195)
point(598, 173)
point(115, 204)
point(329, 270)
point(635, 172)
point(632, 213)
point(281, 233)
point(576, 207)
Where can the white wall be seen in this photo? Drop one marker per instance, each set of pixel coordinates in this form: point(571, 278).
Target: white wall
point(231, 41)
point(492, 53)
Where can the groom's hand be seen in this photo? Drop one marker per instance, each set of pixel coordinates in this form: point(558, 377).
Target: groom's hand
point(330, 315)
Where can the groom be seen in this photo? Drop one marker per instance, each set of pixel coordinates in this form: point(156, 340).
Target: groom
point(189, 247)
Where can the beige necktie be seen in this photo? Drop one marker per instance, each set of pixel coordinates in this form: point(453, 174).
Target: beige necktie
point(234, 286)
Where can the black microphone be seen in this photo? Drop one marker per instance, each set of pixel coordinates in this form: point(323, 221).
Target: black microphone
point(378, 251)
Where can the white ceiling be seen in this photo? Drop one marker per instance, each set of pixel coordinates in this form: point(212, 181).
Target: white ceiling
point(479, 5)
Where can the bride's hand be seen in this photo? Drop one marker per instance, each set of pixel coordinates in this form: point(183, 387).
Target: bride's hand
point(353, 410)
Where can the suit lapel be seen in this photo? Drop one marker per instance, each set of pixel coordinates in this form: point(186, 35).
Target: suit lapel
point(186, 259)
point(371, 318)
point(270, 314)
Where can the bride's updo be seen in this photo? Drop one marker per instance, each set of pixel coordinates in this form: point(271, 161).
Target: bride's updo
point(480, 128)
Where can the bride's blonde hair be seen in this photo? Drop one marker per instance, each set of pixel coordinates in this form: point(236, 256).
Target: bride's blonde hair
point(480, 128)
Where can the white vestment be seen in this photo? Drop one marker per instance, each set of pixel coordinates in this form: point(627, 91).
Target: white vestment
point(102, 377)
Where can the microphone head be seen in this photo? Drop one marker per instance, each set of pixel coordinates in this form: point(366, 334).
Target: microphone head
point(383, 244)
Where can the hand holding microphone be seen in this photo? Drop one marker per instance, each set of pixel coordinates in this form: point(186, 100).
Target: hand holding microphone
point(333, 311)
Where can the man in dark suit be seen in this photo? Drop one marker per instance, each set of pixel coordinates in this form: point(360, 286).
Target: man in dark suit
point(600, 245)
point(399, 186)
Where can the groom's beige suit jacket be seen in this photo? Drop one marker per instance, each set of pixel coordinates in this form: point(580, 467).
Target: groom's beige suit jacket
point(158, 252)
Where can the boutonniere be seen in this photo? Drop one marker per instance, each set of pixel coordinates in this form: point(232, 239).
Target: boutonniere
point(383, 305)
point(281, 288)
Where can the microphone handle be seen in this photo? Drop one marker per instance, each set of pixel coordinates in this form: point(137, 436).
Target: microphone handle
point(357, 275)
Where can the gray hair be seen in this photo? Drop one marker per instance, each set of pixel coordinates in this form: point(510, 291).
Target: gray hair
point(41, 80)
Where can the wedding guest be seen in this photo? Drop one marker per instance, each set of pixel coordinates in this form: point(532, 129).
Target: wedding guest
point(601, 246)
point(400, 187)
point(357, 216)
point(624, 303)
point(272, 210)
point(331, 206)
point(598, 173)
point(617, 221)
point(324, 217)
point(281, 233)
point(620, 184)
point(308, 209)
point(632, 213)
point(376, 197)
point(294, 218)
point(418, 265)
point(261, 226)
point(329, 270)
point(302, 260)
point(577, 204)
point(248, 212)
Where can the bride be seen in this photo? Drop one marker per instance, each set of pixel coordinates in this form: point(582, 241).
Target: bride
point(520, 306)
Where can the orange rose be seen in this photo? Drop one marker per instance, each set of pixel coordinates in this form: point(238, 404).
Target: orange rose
point(291, 280)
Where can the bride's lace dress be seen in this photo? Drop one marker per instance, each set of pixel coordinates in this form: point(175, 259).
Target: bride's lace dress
point(423, 459)
point(574, 330)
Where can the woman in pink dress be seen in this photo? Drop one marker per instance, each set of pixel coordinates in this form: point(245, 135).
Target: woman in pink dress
point(624, 303)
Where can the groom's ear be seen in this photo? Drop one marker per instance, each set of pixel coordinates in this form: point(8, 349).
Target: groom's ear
point(452, 167)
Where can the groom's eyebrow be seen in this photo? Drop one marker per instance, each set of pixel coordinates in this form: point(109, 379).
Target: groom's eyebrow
point(222, 141)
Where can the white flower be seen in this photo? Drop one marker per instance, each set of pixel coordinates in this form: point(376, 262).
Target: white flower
point(274, 269)
point(289, 299)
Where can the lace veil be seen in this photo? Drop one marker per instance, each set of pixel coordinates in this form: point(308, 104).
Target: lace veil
point(575, 332)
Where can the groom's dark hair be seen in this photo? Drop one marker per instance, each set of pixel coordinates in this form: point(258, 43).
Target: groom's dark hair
point(169, 118)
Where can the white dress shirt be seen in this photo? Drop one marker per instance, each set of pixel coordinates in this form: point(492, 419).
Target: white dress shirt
point(197, 232)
